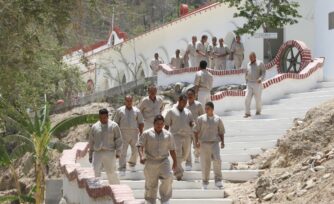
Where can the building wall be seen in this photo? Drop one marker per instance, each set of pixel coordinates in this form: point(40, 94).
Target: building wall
point(215, 21)
point(324, 37)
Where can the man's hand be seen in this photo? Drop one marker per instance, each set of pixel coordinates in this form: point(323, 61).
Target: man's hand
point(259, 81)
point(90, 159)
point(142, 161)
point(222, 145)
point(198, 145)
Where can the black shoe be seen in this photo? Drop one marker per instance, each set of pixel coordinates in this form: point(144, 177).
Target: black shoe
point(247, 115)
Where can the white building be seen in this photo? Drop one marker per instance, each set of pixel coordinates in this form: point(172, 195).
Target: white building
point(108, 66)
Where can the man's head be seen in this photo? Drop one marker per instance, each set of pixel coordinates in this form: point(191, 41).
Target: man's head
point(156, 56)
point(214, 40)
point(252, 57)
point(177, 53)
point(194, 39)
point(221, 41)
point(103, 115)
point(182, 102)
point(237, 38)
point(152, 91)
point(128, 100)
point(191, 95)
point(158, 123)
point(209, 107)
point(203, 64)
point(204, 38)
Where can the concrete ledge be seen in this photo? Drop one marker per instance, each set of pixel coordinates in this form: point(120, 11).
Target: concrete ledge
point(81, 186)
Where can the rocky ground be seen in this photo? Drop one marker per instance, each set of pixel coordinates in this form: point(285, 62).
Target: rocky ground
point(300, 169)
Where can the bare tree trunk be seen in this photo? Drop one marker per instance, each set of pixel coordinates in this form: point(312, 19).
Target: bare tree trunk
point(40, 182)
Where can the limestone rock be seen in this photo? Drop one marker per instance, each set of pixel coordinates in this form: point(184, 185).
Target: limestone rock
point(268, 197)
point(326, 176)
point(319, 168)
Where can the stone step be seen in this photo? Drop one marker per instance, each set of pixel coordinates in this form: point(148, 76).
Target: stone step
point(202, 201)
point(230, 175)
point(326, 84)
point(197, 184)
point(187, 193)
point(310, 93)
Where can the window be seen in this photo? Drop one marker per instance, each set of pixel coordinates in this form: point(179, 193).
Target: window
point(331, 20)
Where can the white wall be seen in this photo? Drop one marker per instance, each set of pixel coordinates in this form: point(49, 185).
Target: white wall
point(324, 38)
point(304, 29)
point(217, 21)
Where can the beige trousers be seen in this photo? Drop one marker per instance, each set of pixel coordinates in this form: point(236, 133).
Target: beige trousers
point(238, 61)
point(204, 96)
point(155, 171)
point(129, 137)
point(196, 152)
point(253, 89)
point(183, 148)
point(210, 151)
point(220, 64)
point(107, 159)
point(193, 61)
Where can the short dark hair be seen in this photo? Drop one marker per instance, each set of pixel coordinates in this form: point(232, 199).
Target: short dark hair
point(203, 64)
point(158, 117)
point(103, 111)
point(210, 104)
point(183, 97)
point(191, 90)
point(204, 36)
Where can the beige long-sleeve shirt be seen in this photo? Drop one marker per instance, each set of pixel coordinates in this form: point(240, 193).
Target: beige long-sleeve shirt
point(196, 109)
point(156, 146)
point(128, 119)
point(204, 79)
point(179, 121)
point(209, 129)
point(237, 48)
point(105, 137)
point(150, 108)
point(255, 71)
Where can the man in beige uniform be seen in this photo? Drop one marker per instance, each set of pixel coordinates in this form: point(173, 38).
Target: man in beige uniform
point(177, 61)
point(211, 50)
point(196, 110)
point(151, 106)
point(209, 132)
point(201, 50)
point(203, 83)
point(191, 52)
point(157, 144)
point(180, 122)
point(131, 122)
point(105, 144)
point(220, 55)
point(237, 52)
point(155, 63)
point(255, 74)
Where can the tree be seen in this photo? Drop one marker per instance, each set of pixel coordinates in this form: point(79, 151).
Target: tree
point(265, 14)
point(31, 41)
point(34, 133)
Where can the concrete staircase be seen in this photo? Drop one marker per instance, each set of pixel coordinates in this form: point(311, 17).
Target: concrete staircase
point(244, 137)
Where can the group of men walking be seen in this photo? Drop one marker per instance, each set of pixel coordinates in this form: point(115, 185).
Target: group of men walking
point(154, 137)
point(216, 54)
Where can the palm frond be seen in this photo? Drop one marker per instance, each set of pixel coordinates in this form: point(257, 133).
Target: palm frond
point(59, 146)
point(4, 156)
point(74, 121)
point(20, 150)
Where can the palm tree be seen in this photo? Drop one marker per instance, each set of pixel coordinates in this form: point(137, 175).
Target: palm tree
point(34, 135)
